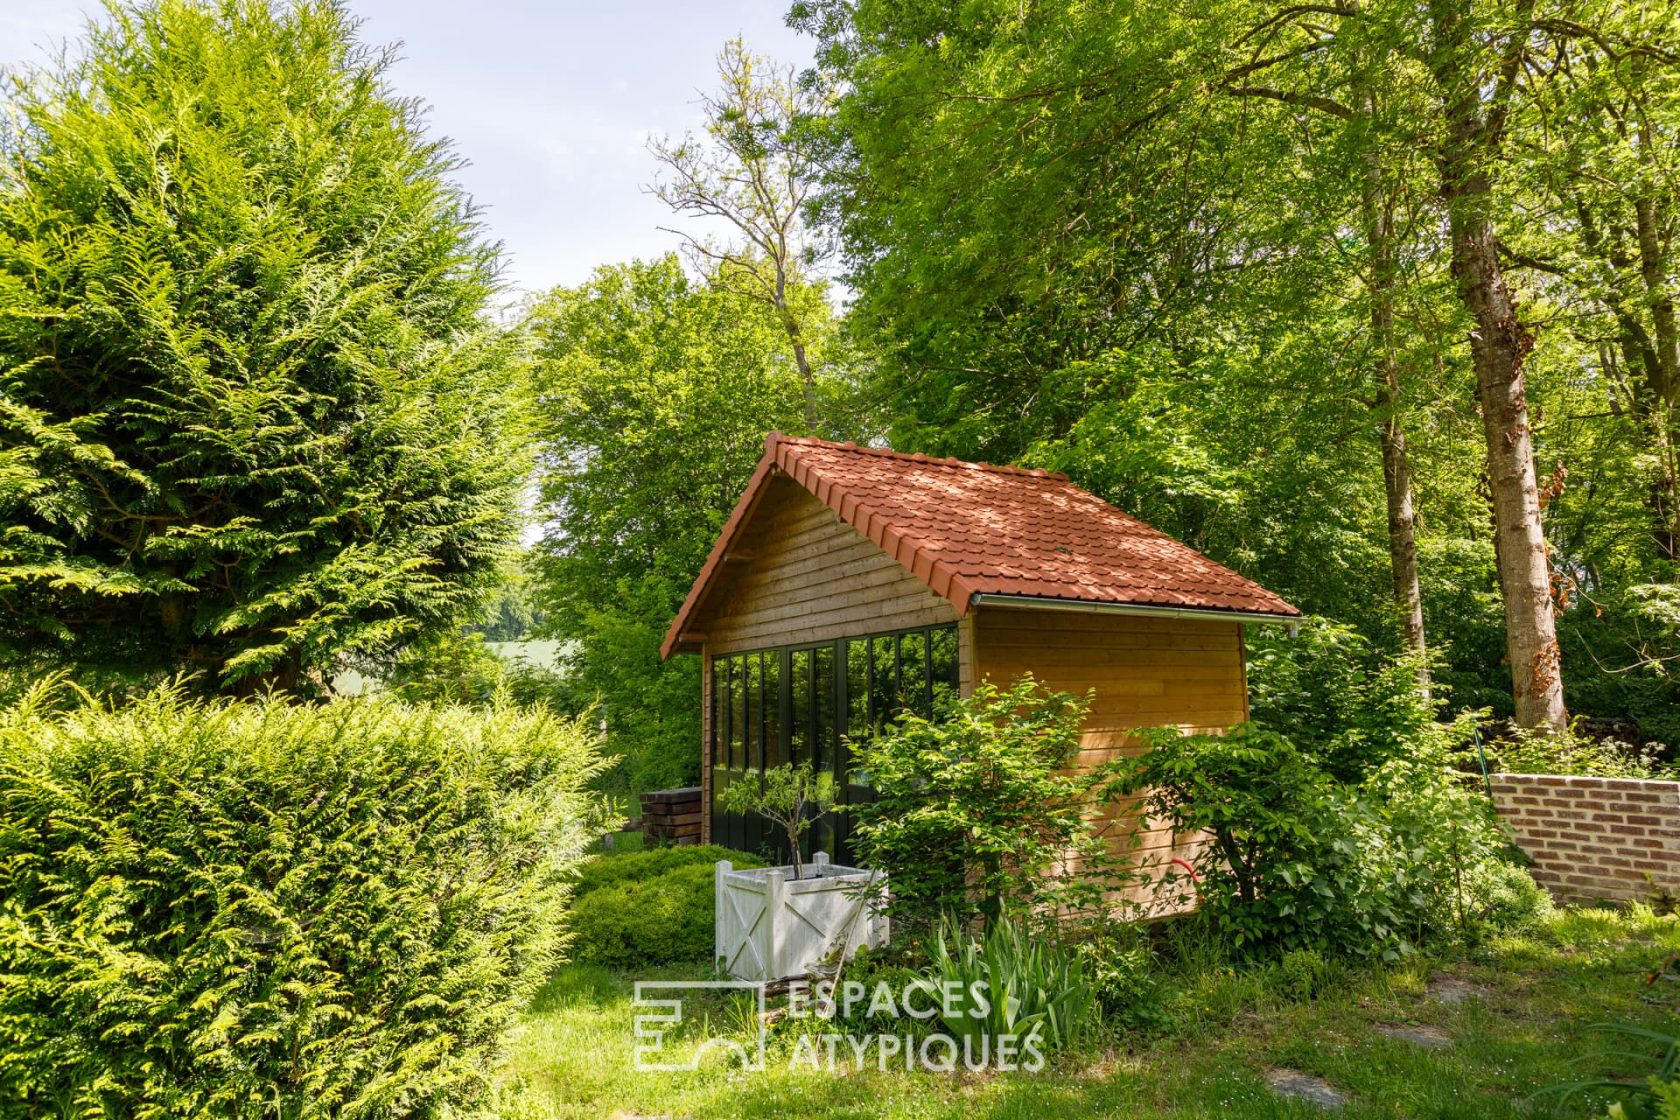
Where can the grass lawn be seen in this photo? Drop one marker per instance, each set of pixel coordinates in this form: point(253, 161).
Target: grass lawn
point(1506, 1021)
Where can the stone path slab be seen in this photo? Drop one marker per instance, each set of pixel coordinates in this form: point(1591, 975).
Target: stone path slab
point(1450, 989)
point(1295, 1085)
point(1428, 1037)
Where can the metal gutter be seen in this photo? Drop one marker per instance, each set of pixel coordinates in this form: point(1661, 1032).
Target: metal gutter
point(1139, 610)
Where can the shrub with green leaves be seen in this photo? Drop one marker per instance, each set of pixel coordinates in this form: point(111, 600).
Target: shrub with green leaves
point(1300, 861)
point(255, 417)
point(1345, 703)
point(980, 812)
point(258, 909)
point(1521, 750)
point(1125, 974)
point(615, 868)
point(651, 907)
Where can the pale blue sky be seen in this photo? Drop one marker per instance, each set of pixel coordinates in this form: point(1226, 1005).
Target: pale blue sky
point(551, 102)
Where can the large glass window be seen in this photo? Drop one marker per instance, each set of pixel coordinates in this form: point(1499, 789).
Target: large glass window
point(775, 749)
point(912, 674)
point(943, 673)
point(719, 711)
point(825, 731)
point(883, 681)
point(738, 718)
point(755, 713)
point(801, 707)
point(807, 703)
point(857, 688)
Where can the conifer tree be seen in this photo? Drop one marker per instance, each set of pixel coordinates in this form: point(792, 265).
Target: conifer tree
point(253, 415)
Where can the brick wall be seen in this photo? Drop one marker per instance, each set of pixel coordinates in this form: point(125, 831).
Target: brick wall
point(672, 816)
point(1594, 838)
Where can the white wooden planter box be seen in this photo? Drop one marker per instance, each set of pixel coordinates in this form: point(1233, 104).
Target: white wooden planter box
point(771, 926)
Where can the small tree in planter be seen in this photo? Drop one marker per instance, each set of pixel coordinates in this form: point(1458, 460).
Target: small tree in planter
point(788, 796)
point(770, 927)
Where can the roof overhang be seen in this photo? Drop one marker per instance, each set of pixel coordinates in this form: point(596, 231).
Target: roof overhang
point(1135, 610)
point(943, 578)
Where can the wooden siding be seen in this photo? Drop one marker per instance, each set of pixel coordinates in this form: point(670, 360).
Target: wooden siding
point(807, 576)
point(1143, 672)
point(803, 575)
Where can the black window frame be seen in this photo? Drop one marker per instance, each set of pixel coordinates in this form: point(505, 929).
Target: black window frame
point(729, 673)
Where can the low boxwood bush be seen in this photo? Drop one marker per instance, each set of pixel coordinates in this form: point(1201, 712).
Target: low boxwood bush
point(650, 907)
point(261, 909)
point(621, 867)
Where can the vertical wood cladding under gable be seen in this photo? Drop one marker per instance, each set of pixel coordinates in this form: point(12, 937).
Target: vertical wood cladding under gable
point(804, 575)
point(1142, 672)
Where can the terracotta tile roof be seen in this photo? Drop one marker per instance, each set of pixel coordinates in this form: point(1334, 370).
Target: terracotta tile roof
point(969, 529)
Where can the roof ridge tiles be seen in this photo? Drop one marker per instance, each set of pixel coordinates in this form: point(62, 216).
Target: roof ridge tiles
point(915, 457)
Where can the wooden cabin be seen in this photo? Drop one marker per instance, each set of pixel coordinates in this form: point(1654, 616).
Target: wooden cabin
point(852, 582)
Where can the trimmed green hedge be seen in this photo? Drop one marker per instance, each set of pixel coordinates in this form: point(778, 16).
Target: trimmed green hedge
point(258, 909)
point(650, 907)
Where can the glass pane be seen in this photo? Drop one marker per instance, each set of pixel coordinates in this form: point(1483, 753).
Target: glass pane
point(799, 690)
point(825, 733)
point(755, 714)
point(773, 747)
point(912, 673)
point(713, 712)
point(738, 713)
point(942, 665)
point(857, 689)
point(883, 682)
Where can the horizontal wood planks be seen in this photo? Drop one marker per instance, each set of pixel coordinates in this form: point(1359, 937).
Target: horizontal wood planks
point(1140, 672)
point(810, 577)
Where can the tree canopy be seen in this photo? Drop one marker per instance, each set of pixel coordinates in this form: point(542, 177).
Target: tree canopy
point(254, 416)
point(655, 393)
point(1356, 298)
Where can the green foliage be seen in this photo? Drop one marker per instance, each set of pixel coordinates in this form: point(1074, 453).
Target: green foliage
point(786, 796)
point(1624, 657)
point(1656, 1096)
point(1521, 751)
point(458, 667)
point(1209, 269)
point(614, 868)
point(1348, 706)
point(649, 908)
point(656, 395)
point(1300, 861)
point(1125, 974)
point(250, 909)
point(1264, 803)
point(511, 612)
point(253, 416)
point(1303, 973)
point(978, 812)
point(1009, 985)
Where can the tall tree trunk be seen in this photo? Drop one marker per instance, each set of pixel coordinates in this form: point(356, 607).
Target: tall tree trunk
point(1499, 343)
point(1474, 112)
point(1402, 535)
point(796, 339)
point(1397, 467)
